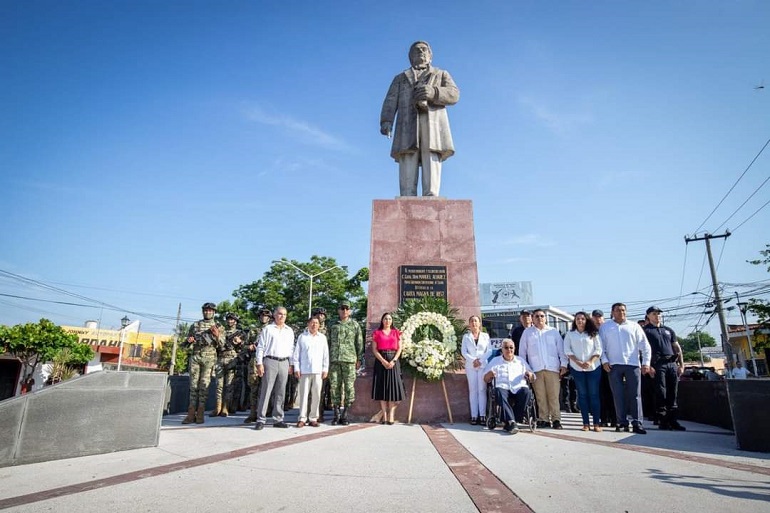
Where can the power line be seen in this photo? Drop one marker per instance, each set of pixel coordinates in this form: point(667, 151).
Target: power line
point(733, 187)
point(742, 204)
point(752, 215)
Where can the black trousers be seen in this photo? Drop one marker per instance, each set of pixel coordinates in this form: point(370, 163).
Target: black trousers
point(666, 387)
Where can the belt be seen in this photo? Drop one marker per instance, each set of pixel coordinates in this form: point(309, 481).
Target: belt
point(276, 358)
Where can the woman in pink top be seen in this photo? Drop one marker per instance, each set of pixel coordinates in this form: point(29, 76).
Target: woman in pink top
point(387, 386)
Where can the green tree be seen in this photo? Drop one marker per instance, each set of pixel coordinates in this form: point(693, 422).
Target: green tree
point(284, 285)
point(40, 342)
point(690, 345)
point(182, 354)
point(761, 308)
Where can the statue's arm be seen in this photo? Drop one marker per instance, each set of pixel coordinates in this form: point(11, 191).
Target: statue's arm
point(389, 107)
point(446, 93)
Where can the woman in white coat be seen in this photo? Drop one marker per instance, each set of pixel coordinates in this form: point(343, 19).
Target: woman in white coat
point(474, 349)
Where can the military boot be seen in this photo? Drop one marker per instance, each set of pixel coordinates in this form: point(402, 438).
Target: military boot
point(190, 416)
point(201, 413)
point(336, 419)
point(344, 417)
point(252, 416)
point(217, 409)
point(674, 424)
point(224, 412)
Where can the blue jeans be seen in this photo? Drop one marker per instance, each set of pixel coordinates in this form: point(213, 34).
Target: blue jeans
point(587, 384)
point(625, 382)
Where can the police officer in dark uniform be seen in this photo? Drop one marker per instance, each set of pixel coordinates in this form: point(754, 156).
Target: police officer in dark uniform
point(667, 361)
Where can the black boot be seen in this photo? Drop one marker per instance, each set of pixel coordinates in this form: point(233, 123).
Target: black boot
point(673, 424)
point(664, 422)
point(344, 417)
point(336, 419)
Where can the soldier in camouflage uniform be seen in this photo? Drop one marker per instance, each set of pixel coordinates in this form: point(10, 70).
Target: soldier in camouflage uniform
point(203, 338)
point(346, 350)
point(234, 337)
point(248, 352)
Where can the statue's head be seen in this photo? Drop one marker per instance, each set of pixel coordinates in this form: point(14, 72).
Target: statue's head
point(420, 54)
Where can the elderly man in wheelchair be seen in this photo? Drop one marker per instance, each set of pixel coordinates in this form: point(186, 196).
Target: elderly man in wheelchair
point(510, 375)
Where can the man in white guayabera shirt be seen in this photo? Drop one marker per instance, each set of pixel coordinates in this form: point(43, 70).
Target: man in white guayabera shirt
point(623, 341)
point(543, 349)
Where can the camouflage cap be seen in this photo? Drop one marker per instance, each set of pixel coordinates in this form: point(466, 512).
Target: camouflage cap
point(264, 311)
point(318, 311)
point(231, 315)
point(207, 306)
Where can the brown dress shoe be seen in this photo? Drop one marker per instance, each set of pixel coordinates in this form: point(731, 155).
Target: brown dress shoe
point(300, 424)
point(314, 423)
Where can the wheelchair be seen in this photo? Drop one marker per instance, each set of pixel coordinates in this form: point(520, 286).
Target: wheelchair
point(494, 410)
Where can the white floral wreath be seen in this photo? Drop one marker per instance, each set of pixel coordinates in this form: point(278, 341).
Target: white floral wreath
point(428, 357)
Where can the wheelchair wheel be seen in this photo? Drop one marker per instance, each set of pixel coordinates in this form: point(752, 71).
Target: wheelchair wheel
point(531, 416)
point(491, 422)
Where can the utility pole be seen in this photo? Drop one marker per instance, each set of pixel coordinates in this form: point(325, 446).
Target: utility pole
point(176, 338)
point(726, 347)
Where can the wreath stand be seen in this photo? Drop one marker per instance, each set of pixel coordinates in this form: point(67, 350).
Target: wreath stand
point(446, 400)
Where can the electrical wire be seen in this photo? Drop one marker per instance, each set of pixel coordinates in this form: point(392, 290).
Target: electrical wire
point(733, 187)
point(752, 215)
point(742, 204)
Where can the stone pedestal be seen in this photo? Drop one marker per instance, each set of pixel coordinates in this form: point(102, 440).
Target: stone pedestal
point(427, 231)
point(422, 231)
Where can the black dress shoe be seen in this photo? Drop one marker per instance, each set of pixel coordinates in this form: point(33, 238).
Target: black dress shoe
point(617, 429)
point(259, 426)
point(626, 428)
point(541, 424)
point(557, 424)
point(281, 424)
point(639, 430)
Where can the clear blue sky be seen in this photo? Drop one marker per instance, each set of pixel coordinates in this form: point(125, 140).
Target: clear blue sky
point(157, 152)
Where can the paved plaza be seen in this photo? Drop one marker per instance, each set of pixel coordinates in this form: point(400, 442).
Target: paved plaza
point(225, 465)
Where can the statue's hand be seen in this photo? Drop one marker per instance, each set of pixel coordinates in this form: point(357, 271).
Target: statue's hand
point(385, 128)
point(423, 93)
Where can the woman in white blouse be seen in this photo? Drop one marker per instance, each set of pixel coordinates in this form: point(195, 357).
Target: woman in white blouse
point(583, 347)
point(474, 350)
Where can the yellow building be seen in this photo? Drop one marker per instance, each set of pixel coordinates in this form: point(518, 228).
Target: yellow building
point(743, 351)
point(140, 349)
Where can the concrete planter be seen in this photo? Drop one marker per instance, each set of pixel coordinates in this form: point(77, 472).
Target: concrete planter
point(750, 408)
point(178, 394)
point(705, 402)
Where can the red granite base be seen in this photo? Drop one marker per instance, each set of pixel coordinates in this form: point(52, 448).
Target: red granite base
point(431, 232)
point(429, 404)
point(422, 231)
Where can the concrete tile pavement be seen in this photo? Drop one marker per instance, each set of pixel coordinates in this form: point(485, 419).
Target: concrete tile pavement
point(226, 465)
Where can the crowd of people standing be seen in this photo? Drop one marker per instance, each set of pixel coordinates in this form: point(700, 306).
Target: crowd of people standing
point(606, 360)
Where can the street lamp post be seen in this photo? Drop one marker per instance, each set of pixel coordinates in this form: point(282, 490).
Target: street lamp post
point(742, 307)
point(124, 322)
point(310, 278)
point(700, 350)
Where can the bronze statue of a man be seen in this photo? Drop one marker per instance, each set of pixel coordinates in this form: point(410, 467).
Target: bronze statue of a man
point(422, 138)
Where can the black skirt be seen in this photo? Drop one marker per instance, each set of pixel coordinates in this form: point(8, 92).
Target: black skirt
point(386, 383)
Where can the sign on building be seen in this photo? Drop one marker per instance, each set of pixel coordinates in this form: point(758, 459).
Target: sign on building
point(512, 293)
